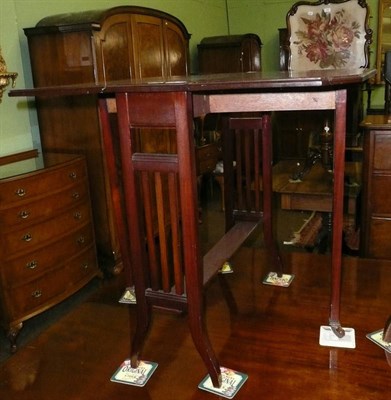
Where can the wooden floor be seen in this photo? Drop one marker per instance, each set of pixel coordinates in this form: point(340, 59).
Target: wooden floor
point(270, 333)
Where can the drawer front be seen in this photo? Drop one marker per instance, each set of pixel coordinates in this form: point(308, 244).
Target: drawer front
point(82, 268)
point(379, 237)
point(36, 296)
point(39, 184)
point(30, 266)
point(206, 158)
point(382, 151)
point(39, 235)
point(206, 166)
point(381, 188)
point(30, 212)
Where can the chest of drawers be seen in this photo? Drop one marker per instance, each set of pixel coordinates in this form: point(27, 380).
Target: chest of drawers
point(376, 205)
point(47, 245)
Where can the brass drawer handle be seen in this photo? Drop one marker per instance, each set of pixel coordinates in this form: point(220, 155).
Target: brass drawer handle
point(27, 237)
point(73, 175)
point(76, 195)
point(32, 264)
point(20, 192)
point(24, 214)
point(77, 215)
point(84, 266)
point(81, 240)
point(36, 293)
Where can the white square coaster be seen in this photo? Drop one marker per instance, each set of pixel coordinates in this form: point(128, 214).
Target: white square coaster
point(134, 376)
point(232, 381)
point(328, 338)
point(273, 279)
point(377, 338)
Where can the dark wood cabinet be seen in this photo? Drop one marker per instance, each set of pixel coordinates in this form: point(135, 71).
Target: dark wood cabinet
point(96, 47)
point(376, 190)
point(232, 53)
point(293, 131)
point(222, 54)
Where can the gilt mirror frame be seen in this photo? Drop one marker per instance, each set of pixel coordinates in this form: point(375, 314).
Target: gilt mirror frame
point(5, 76)
point(328, 35)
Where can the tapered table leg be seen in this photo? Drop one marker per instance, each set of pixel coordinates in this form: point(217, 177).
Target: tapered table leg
point(339, 174)
point(267, 167)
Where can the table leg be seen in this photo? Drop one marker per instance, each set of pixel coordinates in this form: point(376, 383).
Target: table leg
point(267, 168)
point(128, 248)
point(338, 172)
point(117, 201)
point(387, 331)
point(193, 260)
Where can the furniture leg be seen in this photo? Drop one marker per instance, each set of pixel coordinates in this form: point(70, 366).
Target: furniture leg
point(387, 331)
point(135, 247)
point(220, 180)
point(12, 334)
point(192, 256)
point(143, 320)
point(267, 160)
point(387, 338)
point(202, 343)
point(336, 251)
point(110, 158)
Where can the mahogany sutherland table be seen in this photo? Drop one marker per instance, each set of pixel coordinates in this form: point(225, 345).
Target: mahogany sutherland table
point(158, 223)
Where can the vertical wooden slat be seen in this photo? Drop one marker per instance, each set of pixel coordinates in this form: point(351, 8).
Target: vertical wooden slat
point(239, 171)
point(162, 232)
point(227, 141)
point(149, 229)
point(257, 177)
point(246, 151)
point(175, 229)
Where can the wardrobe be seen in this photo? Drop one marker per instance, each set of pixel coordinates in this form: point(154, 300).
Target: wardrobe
point(120, 43)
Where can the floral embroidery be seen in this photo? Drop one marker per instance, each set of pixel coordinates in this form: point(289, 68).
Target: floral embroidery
point(327, 40)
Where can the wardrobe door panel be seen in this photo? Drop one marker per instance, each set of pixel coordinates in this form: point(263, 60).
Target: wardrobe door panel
point(148, 45)
point(115, 46)
point(176, 50)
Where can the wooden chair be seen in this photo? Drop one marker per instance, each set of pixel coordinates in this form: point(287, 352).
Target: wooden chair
point(329, 35)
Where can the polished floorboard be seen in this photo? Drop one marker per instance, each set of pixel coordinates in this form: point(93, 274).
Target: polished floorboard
point(270, 333)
